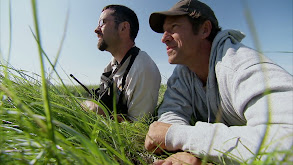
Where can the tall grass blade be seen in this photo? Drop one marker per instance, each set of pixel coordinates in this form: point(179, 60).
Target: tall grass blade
point(44, 81)
point(257, 44)
point(9, 40)
point(61, 43)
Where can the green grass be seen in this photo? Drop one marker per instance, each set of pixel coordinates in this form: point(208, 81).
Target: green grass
point(42, 123)
point(80, 137)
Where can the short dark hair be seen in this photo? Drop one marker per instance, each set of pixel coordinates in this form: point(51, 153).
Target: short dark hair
point(123, 13)
point(196, 22)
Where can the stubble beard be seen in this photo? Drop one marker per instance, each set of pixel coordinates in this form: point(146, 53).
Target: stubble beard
point(102, 45)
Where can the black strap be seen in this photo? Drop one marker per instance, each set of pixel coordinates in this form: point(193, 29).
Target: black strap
point(107, 77)
point(134, 53)
point(122, 61)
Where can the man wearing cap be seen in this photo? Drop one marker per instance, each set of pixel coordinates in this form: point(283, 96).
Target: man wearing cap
point(224, 101)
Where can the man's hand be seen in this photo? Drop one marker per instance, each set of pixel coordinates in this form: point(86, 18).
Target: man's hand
point(91, 106)
point(156, 137)
point(179, 158)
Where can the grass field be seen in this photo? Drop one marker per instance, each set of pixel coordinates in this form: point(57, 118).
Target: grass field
point(43, 123)
point(75, 136)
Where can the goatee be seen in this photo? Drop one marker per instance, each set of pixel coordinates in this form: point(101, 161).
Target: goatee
point(102, 45)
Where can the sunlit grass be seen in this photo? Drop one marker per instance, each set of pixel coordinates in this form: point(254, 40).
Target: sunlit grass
point(80, 137)
point(42, 123)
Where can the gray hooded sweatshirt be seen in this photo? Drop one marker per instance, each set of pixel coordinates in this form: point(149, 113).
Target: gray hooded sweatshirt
point(246, 96)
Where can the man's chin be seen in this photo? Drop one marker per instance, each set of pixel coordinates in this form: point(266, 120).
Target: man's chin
point(101, 49)
point(171, 61)
point(102, 46)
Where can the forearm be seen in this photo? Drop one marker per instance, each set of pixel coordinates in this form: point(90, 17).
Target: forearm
point(272, 121)
point(216, 140)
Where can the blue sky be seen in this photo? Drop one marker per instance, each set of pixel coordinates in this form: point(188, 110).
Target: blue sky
point(80, 56)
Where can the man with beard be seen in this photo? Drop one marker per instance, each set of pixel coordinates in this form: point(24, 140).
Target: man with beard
point(131, 75)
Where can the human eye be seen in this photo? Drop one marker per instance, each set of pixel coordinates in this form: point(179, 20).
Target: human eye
point(174, 26)
point(171, 27)
point(102, 22)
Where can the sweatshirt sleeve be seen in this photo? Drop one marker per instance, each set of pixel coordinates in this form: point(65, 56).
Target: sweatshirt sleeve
point(268, 113)
point(176, 107)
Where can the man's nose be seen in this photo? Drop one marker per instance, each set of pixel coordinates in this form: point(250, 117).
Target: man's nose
point(166, 37)
point(97, 29)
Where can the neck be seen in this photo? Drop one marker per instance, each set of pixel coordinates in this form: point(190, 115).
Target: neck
point(120, 50)
point(202, 73)
point(200, 65)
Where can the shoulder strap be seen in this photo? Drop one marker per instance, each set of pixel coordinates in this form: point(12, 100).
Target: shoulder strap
point(107, 77)
point(121, 63)
point(134, 53)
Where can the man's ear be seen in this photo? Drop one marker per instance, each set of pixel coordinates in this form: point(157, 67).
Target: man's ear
point(124, 26)
point(206, 29)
